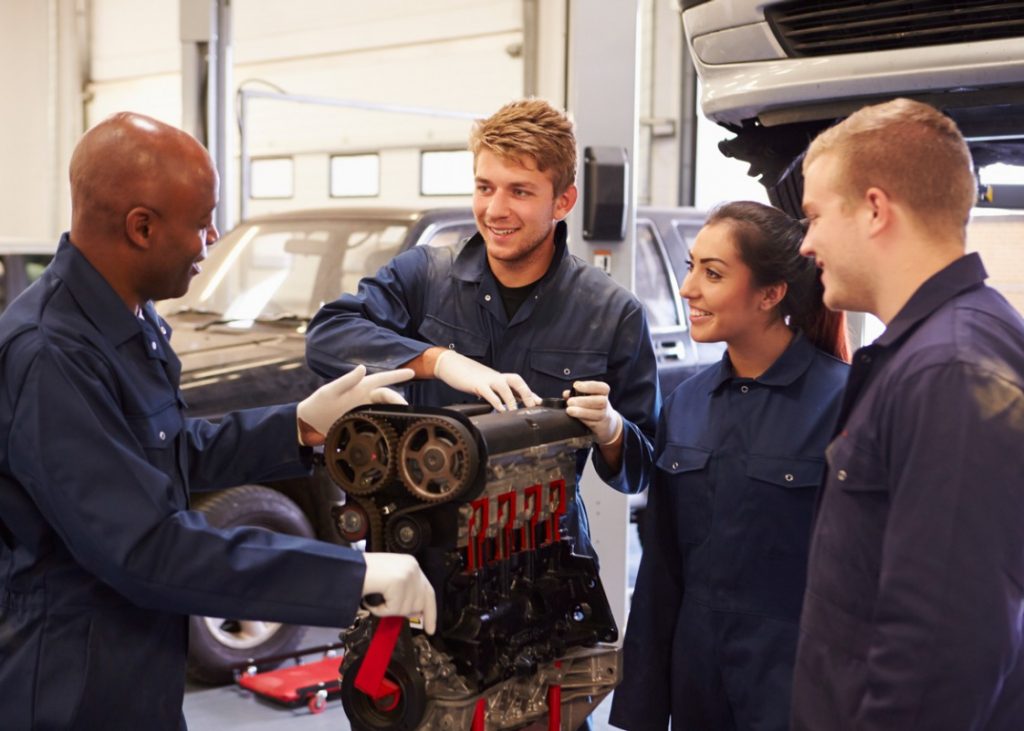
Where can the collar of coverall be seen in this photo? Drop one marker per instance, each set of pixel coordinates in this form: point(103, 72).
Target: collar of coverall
point(97, 299)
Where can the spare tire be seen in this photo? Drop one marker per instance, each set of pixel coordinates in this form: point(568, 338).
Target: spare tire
point(215, 644)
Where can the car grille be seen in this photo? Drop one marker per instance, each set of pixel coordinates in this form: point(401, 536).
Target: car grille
point(828, 27)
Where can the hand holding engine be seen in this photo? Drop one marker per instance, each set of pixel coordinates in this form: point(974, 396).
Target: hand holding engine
point(591, 406)
point(335, 399)
point(406, 591)
point(497, 389)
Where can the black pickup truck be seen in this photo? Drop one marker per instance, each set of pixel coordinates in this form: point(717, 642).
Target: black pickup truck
point(240, 334)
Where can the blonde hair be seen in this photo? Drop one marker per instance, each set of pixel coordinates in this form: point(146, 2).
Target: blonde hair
point(530, 128)
point(910, 150)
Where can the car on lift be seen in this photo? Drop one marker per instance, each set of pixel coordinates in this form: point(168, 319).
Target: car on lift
point(777, 72)
point(240, 335)
point(21, 263)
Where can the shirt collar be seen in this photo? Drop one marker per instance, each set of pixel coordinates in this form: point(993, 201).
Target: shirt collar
point(793, 363)
point(94, 295)
point(471, 263)
point(965, 273)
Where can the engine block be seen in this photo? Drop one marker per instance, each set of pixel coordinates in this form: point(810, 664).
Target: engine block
point(479, 498)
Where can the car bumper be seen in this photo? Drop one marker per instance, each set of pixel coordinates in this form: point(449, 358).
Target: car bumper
point(745, 73)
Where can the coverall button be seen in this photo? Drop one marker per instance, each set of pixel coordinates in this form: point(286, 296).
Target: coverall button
point(163, 330)
point(163, 436)
point(152, 344)
point(487, 298)
point(567, 371)
point(744, 389)
point(675, 465)
point(789, 477)
point(451, 346)
point(841, 475)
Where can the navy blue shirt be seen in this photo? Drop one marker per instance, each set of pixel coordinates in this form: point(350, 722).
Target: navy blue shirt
point(914, 612)
point(100, 560)
point(576, 324)
point(717, 598)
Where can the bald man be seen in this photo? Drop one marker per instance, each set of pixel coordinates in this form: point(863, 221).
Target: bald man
point(101, 562)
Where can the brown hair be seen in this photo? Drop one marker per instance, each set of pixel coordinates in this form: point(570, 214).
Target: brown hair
point(530, 128)
point(769, 241)
point(910, 150)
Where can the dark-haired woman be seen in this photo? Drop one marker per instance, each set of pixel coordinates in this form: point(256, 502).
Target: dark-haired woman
point(740, 454)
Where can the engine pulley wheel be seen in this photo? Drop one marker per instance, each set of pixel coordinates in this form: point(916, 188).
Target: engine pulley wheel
point(437, 459)
point(360, 453)
point(353, 522)
point(407, 533)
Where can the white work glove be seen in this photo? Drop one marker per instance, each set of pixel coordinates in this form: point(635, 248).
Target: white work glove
point(331, 401)
point(591, 406)
point(497, 389)
point(407, 593)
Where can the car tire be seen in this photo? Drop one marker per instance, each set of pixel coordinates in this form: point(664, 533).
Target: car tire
point(217, 645)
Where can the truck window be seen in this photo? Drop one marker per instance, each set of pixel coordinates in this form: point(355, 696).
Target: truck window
point(653, 283)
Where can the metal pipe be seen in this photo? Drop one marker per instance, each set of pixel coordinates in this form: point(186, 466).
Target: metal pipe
point(217, 105)
point(531, 32)
point(243, 156)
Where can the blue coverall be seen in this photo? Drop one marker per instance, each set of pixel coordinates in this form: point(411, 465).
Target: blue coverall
point(914, 612)
point(713, 625)
point(577, 324)
point(100, 560)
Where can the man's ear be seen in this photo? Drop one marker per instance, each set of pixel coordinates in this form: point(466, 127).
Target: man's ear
point(772, 295)
point(565, 202)
point(878, 206)
point(138, 226)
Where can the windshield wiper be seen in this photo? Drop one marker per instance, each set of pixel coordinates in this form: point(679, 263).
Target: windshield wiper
point(283, 318)
point(194, 311)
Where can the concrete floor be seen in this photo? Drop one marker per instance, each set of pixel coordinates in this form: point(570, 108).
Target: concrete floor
point(230, 707)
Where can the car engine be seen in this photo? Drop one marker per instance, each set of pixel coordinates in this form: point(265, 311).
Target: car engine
point(478, 498)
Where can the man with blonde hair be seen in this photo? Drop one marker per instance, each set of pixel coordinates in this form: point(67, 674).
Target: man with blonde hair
point(511, 315)
point(913, 616)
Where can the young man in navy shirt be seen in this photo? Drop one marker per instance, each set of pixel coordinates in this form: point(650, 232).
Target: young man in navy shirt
point(912, 618)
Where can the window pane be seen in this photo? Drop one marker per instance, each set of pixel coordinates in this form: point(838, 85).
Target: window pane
point(446, 173)
point(271, 178)
point(355, 176)
point(652, 280)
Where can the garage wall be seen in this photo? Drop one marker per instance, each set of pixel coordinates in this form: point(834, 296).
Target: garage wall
point(41, 115)
point(997, 237)
point(457, 55)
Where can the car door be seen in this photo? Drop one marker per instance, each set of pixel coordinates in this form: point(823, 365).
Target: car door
point(17, 271)
point(658, 289)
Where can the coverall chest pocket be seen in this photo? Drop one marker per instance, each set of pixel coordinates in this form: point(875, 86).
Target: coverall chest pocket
point(459, 339)
point(685, 472)
point(158, 435)
point(554, 371)
point(781, 501)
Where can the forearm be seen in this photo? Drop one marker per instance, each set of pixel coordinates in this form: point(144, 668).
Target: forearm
point(612, 453)
point(253, 445)
point(336, 345)
point(423, 365)
point(630, 467)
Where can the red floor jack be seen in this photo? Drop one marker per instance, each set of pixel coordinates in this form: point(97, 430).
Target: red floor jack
point(312, 682)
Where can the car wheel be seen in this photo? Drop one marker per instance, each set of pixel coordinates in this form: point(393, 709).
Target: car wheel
point(218, 644)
